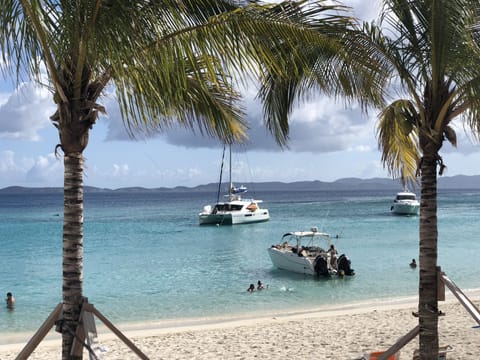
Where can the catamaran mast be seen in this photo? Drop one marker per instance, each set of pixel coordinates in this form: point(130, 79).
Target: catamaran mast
point(230, 189)
point(221, 175)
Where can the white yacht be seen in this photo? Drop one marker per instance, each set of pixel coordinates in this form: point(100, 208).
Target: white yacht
point(405, 203)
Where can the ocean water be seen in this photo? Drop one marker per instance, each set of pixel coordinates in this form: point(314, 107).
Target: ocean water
point(146, 258)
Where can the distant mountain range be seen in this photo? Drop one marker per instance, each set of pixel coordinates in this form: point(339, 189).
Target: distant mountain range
point(461, 182)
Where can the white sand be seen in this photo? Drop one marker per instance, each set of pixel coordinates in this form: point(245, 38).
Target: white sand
point(334, 333)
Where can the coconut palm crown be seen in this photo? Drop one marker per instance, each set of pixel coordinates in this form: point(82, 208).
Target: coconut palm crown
point(170, 62)
point(432, 49)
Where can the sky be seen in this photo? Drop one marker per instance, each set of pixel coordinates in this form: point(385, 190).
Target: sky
point(328, 141)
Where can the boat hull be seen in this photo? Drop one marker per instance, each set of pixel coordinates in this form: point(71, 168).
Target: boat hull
point(234, 217)
point(291, 261)
point(406, 208)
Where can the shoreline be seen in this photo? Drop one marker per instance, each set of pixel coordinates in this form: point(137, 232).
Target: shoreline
point(332, 332)
point(228, 320)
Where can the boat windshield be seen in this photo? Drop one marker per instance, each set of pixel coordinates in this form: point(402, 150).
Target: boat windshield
point(228, 207)
point(406, 197)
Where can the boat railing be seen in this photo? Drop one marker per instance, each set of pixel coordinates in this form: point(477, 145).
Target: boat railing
point(235, 197)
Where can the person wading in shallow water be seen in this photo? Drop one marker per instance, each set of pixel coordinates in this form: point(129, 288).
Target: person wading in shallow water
point(10, 300)
point(260, 285)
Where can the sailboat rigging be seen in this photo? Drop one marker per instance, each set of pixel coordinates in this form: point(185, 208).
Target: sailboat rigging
point(235, 210)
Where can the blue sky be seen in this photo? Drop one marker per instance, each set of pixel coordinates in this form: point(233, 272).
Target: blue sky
point(328, 141)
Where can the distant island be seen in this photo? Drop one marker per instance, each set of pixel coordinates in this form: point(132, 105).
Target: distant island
point(460, 182)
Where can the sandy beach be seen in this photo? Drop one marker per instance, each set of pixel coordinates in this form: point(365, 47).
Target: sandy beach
point(335, 333)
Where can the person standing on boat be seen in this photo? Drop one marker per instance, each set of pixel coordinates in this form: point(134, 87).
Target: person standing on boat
point(333, 256)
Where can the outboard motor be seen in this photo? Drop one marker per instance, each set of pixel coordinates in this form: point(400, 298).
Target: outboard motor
point(343, 264)
point(321, 266)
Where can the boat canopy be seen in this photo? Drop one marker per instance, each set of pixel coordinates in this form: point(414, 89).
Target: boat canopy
point(306, 234)
point(240, 190)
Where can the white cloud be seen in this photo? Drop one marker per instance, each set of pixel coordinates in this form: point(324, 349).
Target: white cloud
point(361, 148)
point(364, 10)
point(46, 169)
point(112, 176)
point(25, 112)
point(7, 162)
point(373, 169)
point(120, 170)
point(466, 141)
point(116, 129)
point(39, 171)
point(320, 125)
point(181, 175)
point(4, 96)
point(124, 175)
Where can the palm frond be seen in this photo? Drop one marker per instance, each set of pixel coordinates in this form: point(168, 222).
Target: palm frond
point(398, 139)
point(339, 61)
point(157, 52)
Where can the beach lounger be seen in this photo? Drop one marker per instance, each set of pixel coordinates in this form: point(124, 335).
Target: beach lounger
point(376, 354)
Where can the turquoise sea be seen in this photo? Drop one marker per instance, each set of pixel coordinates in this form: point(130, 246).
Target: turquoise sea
point(146, 257)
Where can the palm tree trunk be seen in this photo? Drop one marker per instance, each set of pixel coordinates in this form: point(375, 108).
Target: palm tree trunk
point(72, 250)
point(427, 306)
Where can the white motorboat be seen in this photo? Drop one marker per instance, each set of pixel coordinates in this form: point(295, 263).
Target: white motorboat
point(309, 252)
point(405, 203)
point(235, 209)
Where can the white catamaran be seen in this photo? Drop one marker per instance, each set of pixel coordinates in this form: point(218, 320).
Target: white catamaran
point(235, 209)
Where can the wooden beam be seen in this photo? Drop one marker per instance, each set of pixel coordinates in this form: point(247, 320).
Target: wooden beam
point(40, 334)
point(404, 340)
point(79, 339)
point(440, 285)
point(464, 300)
point(119, 334)
point(443, 281)
point(85, 328)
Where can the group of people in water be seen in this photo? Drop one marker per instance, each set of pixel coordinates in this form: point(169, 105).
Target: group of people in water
point(260, 286)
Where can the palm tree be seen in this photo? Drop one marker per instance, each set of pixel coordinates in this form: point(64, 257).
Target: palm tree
point(433, 53)
point(171, 62)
